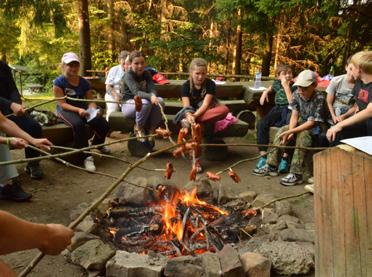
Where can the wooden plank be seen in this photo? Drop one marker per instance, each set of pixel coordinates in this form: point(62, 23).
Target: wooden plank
point(360, 208)
point(336, 198)
point(368, 184)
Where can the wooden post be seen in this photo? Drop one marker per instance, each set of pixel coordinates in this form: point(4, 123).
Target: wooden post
point(343, 212)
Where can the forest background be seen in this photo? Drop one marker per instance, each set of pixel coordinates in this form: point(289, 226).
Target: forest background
point(235, 36)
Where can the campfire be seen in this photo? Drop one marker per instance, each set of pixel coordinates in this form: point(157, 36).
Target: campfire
point(176, 223)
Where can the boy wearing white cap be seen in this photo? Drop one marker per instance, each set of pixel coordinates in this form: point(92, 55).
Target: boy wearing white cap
point(307, 114)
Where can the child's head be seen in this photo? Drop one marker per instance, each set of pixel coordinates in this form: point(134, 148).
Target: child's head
point(123, 60)
point(137, 62)
point(284, 71)
point(70, 64)
point(198, 71)
point(361, 63)
point(348, 68)
point(306, 83)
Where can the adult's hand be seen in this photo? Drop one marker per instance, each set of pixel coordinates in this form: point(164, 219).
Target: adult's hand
point(17, 109)
point(285, 136)
point(58, 237)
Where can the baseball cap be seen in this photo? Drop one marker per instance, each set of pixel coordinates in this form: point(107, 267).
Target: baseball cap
point(70, 57)
point(160, 79)
point(306, 78)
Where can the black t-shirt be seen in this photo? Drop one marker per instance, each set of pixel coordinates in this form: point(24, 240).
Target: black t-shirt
point(363, 94)
point(196, 95)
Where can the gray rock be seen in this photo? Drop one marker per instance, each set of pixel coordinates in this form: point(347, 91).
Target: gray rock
point(291, 221)
point(309, 226)
point(184, 266)
point(292, 234)
point(87, 225)
point(134, 195)
point(225, 195)
point(78, 210)
point(79, 239)
point(273, 228)
point(211, 265)
point(282, 208)
point(125, 264)
point(247, 196)
point(255, 265)
point(268, 216)
point(230, 262)
point(288, 258)
point(235, 204)
point(92, 255)
point(263, 199)
point(204, 188)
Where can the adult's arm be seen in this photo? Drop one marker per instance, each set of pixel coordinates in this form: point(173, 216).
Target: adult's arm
point(10, 85)
point(17, 234)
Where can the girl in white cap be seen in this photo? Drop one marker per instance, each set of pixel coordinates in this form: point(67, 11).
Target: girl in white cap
point(74, 113)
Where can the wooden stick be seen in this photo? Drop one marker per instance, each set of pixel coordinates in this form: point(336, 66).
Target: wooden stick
point(267, 145)
point(70, 152)
point(166, 123)
point(95, 204)
point(282, 198)
point(108, 156)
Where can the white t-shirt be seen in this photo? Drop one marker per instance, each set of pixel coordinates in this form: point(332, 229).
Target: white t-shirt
point(341, 89)
point(114, 77)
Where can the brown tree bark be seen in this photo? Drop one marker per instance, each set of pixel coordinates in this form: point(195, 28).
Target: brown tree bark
point(110, 38)
point(267, 54)
point(84, 36)
point(238, 47)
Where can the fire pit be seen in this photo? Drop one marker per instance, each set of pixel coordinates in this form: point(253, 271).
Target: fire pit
point(176, 223)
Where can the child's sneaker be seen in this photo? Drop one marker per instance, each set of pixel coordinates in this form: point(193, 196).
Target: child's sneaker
point(291, 179)
point(89, 164)
point(261, 162)
point(283, 166)
point(264, 170)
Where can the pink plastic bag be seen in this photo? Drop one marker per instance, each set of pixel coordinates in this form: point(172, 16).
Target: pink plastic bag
point(224, 123)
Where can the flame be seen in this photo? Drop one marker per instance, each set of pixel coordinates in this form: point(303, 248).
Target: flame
point(113, 230)
point(172, 219)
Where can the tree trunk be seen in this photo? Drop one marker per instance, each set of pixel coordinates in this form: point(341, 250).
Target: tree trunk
point(84, 36)
point(238, 47)
point(227, 47)
point(3, 55)
point(110, 38)
point(267, 54)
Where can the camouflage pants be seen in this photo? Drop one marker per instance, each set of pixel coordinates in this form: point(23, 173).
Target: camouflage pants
point(303, 139)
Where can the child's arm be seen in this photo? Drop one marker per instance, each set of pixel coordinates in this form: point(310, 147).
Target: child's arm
point(349, 113)
point(287, 89)
point(358, 117)
point(330, 100)
point(206, 103)
point(265, 96)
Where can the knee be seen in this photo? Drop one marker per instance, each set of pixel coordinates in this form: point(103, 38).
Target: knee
point(33, 128)
point(78, 125)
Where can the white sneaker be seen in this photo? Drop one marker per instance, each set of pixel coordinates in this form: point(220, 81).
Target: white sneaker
point(309, 188)
point(89, 164)
point(104, 150)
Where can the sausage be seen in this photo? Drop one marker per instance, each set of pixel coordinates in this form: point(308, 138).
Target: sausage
point(234, 176)
point(192, 175)
point(163, 133)
point(213, 176)
point(181, 135)
point(168, 170)
point(138, 103)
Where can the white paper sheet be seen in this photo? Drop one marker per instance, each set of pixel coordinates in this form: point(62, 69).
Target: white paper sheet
point(92, 113)
point(361, 143)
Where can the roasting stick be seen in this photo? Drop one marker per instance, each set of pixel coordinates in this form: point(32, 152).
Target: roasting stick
point(110, 157)
point(98, 201)
point(70, 152)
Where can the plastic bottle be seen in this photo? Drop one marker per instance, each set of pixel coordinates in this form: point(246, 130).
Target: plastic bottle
point(257, 80)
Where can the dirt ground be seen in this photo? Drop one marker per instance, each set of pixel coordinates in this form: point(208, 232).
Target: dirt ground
point(64, 188)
